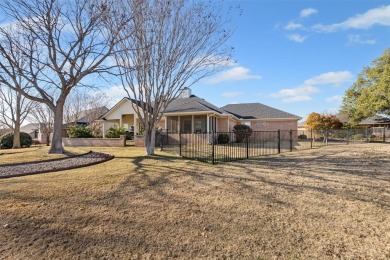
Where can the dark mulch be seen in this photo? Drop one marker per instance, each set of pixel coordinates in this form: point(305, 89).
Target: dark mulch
point(22, 169)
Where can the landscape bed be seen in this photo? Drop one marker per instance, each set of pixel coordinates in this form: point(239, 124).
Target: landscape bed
point(332, 202)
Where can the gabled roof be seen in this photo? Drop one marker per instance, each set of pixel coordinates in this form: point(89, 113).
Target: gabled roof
point(192, 104)
point(375, 120)
point(257, 111)
point(29, 128)
point(95, 112)
point(122, 100)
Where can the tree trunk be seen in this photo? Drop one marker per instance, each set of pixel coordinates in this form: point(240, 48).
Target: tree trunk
point(16, 143)
point(150, 140)
point(56, 143)
point(47, 135)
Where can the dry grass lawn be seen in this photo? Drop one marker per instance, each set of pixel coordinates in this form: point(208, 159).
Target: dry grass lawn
point(327, 203)
point(36, 153)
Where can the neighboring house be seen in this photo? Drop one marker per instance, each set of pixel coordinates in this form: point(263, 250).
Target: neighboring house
point(378, 124)
point(302, 126)
point(87, 117)
point(32, 129)
point(375, 121)
point(191, 114)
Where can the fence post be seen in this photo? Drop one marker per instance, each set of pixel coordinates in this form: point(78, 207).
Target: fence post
point(247, 146)
point(180, 143)
point(291, 140)
point(160, 138)
point(278, 140)
point(212, 148)
point(384, 134)
point(326, 137)
point(348, 136)
point(311, 138)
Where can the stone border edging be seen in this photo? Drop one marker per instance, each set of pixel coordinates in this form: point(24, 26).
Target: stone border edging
point(105, 158)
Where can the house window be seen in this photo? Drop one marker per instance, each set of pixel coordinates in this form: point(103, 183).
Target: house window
point(172, 123)
point(247, 123)
point(212, 124)
point(187, 125)
point(200, 124)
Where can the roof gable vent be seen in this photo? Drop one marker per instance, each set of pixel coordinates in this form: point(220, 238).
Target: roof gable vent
point(185, 93)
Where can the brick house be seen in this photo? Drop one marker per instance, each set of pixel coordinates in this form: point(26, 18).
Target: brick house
point(191, 114)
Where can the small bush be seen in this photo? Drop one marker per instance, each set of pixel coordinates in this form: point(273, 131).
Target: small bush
point(339, 134)
point(223, 138)
point(302, 137)
point(242, 132)
point(358, 137)
point(130, 135)
point(115, 132)
point(7, 140)
point(80, 132)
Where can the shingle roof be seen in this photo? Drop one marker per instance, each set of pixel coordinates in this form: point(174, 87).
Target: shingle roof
point(95, 112)
point(191, 104)
point(375, 120)
point(256, 111)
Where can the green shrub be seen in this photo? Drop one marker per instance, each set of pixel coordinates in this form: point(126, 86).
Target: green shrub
point(80, 131)
point(339, 134)
point(223, 138)
point(302, 137)
point(115, 132)
point(358, 137)
point(242, 132)
point(6, 141)
point(130, 135)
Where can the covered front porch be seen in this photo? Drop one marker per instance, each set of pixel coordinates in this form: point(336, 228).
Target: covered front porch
point(193, 123)
point(127, 121)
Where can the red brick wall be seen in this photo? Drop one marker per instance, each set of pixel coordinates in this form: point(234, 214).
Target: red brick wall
point(222, 125)
point(95, 142)
point(273, 125)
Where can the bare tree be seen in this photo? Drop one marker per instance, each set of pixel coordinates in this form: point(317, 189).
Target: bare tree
point(43, 117)
point(64, 42)
point(87, 107)
point(172, 44)
point(14, 109)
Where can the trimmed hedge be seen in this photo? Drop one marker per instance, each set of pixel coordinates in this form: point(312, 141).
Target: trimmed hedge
point(223, 138)
point(242, 132)
point(80, 131)
point(7, 140)
point(115, 132)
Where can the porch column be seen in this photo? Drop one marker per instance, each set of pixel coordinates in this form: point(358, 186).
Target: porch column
point(120, 121)
point(166, 123)
point(228, 124)
point(192, 124)
point(208, 124)
point(104, 129)
point(179, 124)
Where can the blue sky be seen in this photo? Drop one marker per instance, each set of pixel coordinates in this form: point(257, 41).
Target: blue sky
point(298, 56)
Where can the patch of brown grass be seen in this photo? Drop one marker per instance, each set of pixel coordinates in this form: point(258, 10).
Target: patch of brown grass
point(330, 203)
point(36, 153)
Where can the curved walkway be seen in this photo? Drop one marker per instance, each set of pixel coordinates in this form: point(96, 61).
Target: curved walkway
point(28, 168)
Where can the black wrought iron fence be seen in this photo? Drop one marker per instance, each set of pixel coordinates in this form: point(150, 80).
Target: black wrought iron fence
point(229, 146)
